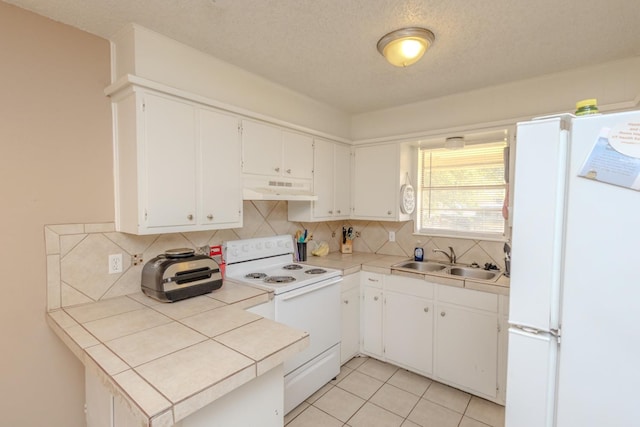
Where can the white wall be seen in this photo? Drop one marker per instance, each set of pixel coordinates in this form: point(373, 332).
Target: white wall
point(616, 85)
point(161, 59)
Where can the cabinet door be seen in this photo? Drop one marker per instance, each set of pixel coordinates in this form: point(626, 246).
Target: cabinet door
point(372, 321)
point(350, 341)
point(297, 155)
point(342, 181)
point(261, 149)
point(408, 331)
point(466, 348)
point(375, 182)
point(169, 161)
point(98, 401)
point(323, 178)
point(220, 166)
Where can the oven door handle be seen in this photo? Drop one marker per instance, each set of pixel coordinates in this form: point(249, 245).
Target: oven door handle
point(312, 288)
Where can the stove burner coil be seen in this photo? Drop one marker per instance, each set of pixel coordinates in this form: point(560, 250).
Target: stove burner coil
point(279, 279)
point(316, 271)
point(292, 267)
point(255, 276)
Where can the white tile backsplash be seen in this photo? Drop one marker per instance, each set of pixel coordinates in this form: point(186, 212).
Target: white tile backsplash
point(78, 253)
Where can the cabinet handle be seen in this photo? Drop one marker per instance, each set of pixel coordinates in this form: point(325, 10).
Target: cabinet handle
point(388, 212)
point(346, 301)
point(288, 171)
point(372, 280)
point(190, 217)
point(277, 169)
point(209, 217)
point(338, 211)
point(426, 309)
point(330, 212)
point(375, 298)
point(442, 313)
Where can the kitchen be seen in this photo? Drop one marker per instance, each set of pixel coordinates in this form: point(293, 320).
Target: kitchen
point(44, 156)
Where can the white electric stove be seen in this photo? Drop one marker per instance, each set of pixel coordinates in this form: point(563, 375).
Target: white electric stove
point(305, 297)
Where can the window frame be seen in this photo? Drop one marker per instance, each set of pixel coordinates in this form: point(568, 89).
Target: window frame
point(504, 135)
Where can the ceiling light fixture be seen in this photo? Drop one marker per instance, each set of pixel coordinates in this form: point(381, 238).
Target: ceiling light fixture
point(405, 46)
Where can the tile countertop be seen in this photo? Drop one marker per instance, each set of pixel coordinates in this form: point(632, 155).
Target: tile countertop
point(352, 263)
point(168, 360)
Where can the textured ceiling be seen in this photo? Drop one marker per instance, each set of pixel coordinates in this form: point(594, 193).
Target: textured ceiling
point(326, 49)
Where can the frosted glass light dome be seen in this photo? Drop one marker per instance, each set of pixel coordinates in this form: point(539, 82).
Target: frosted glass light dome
point(405, 46)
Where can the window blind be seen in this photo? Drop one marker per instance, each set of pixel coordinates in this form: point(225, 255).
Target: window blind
point(461, 192)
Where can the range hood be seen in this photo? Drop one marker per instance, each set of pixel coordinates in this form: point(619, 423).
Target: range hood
point(263, 188)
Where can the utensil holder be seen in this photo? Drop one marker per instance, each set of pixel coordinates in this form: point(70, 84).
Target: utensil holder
point(302, 251)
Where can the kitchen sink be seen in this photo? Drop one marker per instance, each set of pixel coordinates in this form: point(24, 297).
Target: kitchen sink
point(421, 266)
point(473, 273)
point(458, 271)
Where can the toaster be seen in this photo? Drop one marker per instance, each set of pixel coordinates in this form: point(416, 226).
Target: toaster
point(178, 274)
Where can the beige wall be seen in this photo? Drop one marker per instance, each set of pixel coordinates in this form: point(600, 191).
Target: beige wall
point(55, 167)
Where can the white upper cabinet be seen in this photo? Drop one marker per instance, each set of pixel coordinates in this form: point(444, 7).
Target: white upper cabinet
point(297, 155)
point(379, 171)
point(342, 181)
point(270, 151)
point(331, 183)
point(220, 163)
point(170, 162)
point(172, 157)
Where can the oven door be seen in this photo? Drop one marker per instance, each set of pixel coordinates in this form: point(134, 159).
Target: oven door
point(314, 309)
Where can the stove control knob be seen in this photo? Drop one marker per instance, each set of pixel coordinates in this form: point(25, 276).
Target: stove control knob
point(280, 243)
point(245, 248)
point(288, 244)
point(258, 246)
point(234, 251)
point(268, 245)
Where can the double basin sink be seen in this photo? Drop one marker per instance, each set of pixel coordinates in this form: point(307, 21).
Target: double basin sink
point(456, 271)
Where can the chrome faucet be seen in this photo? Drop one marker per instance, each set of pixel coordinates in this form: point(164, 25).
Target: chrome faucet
point(451, 255)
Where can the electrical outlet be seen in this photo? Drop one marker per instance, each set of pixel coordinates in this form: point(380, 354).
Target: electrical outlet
point(115, 263)
point(392, 236)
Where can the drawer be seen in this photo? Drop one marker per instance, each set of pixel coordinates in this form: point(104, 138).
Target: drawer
point(373, 280)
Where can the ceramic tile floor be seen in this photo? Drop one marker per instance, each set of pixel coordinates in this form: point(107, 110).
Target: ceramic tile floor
point(370, 393)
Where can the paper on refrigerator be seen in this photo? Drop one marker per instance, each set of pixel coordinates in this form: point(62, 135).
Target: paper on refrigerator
point(615, 157)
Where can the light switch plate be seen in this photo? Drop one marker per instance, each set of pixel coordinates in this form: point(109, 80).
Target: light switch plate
point(392, 236)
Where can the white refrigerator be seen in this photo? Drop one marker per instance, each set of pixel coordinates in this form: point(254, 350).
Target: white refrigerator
point(574, 335)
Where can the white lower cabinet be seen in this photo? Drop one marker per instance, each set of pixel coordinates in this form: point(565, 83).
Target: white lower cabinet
point(503, 346)
point(467, 348)
point(448, 333)
point(408, 331)
point(350, 312)
point(102, 408)
point(371, 326)
point(264, 395)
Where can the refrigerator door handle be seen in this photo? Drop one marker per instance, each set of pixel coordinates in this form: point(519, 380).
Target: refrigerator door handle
point(554, 332)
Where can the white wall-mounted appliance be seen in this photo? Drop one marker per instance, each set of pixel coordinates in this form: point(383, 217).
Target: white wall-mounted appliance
point(574, 346)
point(305, 297)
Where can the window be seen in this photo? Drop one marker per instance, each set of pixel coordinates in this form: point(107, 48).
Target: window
point(461, 192)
